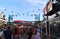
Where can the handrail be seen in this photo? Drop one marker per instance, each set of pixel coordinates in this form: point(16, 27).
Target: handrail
point(51, 36)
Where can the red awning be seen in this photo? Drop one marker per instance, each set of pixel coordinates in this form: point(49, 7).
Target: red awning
point(18, 20)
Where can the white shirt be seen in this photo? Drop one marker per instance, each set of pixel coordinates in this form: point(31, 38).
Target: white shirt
point(1, 33)
point(37, 36)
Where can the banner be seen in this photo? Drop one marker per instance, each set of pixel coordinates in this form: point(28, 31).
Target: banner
point(48, 7)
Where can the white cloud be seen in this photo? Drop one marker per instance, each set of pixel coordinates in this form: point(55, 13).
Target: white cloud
point(9, 0)
point(31, 2)
point(34, 2)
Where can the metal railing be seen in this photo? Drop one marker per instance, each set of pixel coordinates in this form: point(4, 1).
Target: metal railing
point(51, 36)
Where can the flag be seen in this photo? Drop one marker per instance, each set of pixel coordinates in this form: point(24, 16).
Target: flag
point(12, 15)
point(38, 9)
point(31, 14)
point(11, 11)
point(16, 15)
point(5, 9)
point(48, 7)
point(2, 12)
point(33, 11)
point(27, 12)
point(23, 13)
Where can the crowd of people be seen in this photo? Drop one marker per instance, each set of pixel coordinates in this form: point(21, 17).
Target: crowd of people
point(15, 32)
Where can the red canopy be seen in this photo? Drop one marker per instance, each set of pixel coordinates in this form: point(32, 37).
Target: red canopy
point(18, 20)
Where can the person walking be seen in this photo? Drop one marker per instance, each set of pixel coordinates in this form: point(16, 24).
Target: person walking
point(8, 33)
point(30, 33)
point(36, 35)
point(16, 34)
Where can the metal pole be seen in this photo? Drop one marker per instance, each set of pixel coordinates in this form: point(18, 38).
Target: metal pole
point(48, 28)
point(49, 31)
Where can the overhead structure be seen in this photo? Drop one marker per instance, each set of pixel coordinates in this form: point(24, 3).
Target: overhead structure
point(55, 8)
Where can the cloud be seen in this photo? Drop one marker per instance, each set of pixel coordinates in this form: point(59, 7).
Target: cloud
point(9, 0)
point(29, 2)
point(34, 2)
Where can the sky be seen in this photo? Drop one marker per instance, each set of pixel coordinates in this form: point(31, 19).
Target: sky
point(23, 9)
